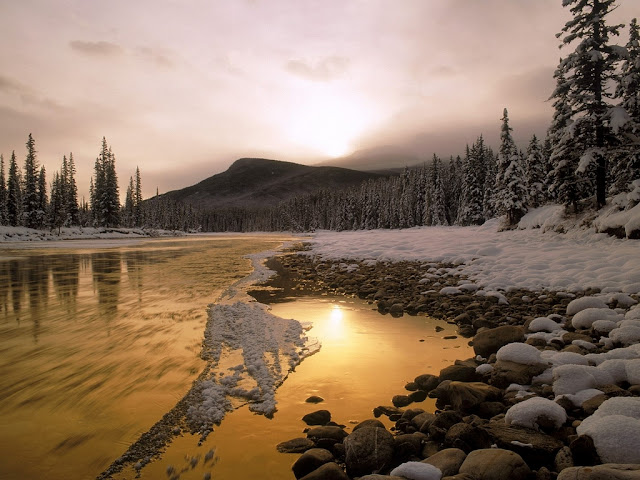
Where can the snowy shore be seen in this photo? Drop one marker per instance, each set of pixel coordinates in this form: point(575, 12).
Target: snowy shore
point(555, 384)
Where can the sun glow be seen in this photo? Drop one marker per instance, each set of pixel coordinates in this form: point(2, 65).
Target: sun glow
point(327, 122)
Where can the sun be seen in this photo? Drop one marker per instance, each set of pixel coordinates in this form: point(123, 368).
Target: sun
point(328, 122)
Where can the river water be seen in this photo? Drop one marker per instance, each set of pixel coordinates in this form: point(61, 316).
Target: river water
point(97, 343)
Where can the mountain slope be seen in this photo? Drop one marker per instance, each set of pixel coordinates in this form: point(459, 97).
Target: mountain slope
point(252, 182)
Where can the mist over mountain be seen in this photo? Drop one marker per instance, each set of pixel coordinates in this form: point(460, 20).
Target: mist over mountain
point(255, 182)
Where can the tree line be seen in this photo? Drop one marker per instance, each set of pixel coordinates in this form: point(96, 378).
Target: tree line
point(591, 150)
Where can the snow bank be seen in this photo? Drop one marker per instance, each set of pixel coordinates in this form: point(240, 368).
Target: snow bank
point(615, 430)
point(534, 411)
point(499, 261)
point(417, 471)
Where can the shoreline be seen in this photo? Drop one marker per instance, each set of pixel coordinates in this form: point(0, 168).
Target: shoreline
point(474, 395)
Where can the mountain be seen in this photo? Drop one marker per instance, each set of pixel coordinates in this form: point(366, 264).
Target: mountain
point(382, 159)
point(253, 182)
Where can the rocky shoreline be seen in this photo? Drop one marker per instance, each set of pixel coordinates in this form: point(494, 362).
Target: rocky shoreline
point(517, 410)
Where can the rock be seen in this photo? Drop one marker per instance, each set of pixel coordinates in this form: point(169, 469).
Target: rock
point(311, 460)
point(319, 417)
point(505, 373)
point(401, 400)
point(460, 476)
point(608, 471)
point(495, 464)
point(411, 386)
point(325, 437)
point(448, 460)
point(467, 437)
point(368, 450)
point(408, 446)
point(563, 459)
point(591, 405)
point(371, 422)
point(328, 471)
point(463, 318)
point(422, 421)
point(443, 422)
point(465, 396)
point(418, 396)
point(375, 476)
point(544, 473)
point(538, 449)
point(489, 341)
point(460, 373)
point(426, 382)
point(297, 445)
point(394, 413)
point(430, 448)
point(584, 451)
point(314, 399)
point(396, 310)
point(490, 409)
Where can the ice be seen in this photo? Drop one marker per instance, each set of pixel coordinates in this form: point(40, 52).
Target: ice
point(615, 430)
point(519, 353)
point(417, 471)
point(530, 412)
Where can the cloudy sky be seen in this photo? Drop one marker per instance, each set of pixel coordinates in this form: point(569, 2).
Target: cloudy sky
point(181, 88)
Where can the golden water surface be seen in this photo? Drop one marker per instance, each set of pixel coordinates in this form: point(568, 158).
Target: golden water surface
point(96, 344)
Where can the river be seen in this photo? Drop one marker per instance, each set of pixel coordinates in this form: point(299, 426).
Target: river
point(99, 341)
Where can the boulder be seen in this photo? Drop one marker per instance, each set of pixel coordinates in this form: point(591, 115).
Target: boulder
point(368, 450)
point(448, 460)
point(371, 422)
point(426, 382)
point(314, 399)
point(319, 417)
point(467, 437)
point(328, 471)
point(325, 437)
point(443, 422)
point(505, 373)
point(311, 460)
point(422, 421)
point(489, 341)
point(296, 445)
point(607, 471)
point(584, 451)
point(401, 400)
point(465, 396)
point(460, 373)
point(495, 464)
point(538, 449)
point(408, 446)
point(563, 459)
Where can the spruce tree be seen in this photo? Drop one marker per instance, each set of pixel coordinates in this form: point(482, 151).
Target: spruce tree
point(4, 195)
point(137, 200)
point(105, 202)
point(589, 69)
point(30, 197)
point(438, 209)
point(71, 193)
point(14, 192)
point(43, 200)
point(128, 210)
point(511, 198)
point(57, 207)
point(535, 168)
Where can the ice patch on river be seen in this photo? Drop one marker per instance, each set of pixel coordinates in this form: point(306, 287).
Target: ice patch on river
point(250, 353)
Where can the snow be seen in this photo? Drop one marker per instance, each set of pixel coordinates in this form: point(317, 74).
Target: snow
point(417, 471)
point(615, 430)
point(529, 412)
point(499, 261)
point(484, 369)
point(582, 396)
point(543, 324)
point(585, 318)
point(626, 335)
point(583, 303)
point(521, 353)
point(571, 379)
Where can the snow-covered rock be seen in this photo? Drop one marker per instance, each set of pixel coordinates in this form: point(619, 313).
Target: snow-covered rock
point(521, 353)
point(583, 303)
point(534, 412)
point(417, 471)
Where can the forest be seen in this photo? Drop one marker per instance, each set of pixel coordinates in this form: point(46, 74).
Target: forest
point(591, 151)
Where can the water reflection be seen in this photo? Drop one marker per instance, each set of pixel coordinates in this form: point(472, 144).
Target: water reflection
point(96, 345)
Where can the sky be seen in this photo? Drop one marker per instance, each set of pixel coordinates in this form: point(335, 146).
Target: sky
point(182, 88)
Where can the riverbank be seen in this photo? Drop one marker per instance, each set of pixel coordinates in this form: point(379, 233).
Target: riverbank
point(549, 367)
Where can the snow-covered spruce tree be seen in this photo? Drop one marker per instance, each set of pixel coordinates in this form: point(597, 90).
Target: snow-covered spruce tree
point(470, 212)
point(489, 194)
point(438, 208)
point(137, 200)
point(68, 179)
point(57, 206)
point(535, 167)
point(128, 208)
point(30, 200)
point(43, 199)
point(14, 193)
point(453, 188)
point(547, 149)
point(626, 160)
point(511, 194)
point(589, 69)
point(565, 185)
point(4, 195)
point(105, 200)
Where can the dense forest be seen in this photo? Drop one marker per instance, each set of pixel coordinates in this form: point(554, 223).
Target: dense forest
point(591, 151)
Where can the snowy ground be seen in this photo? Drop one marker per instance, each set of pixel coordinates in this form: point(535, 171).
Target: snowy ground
point(528, 258)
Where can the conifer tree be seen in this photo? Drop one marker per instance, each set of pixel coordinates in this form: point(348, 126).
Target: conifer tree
point(137, 200)
point(470, 212)
point(30, 196)
point(105, 201)
point(438, 209)
point(4, 195)
point(57, 207)
point(535, 168)
point(14, 193)
point(589, 69)
point(511, 197)
point(68, 179)
point(43, 200)
point(489, 193)
point(128, 212)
